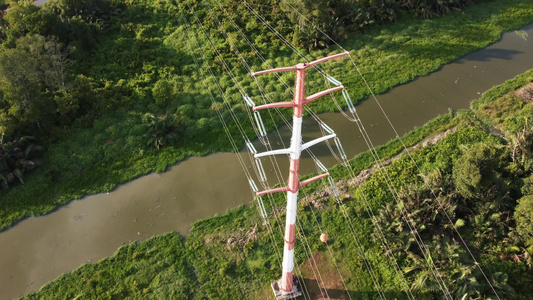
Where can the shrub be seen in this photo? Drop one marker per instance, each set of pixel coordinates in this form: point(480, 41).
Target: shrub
point(162, 92)
point(524, 219)
point(473, 173)
point(16, 158)
point(162, 130)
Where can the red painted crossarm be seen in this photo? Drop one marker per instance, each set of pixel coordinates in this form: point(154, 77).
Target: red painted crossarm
point(271, 105)
point(308, 181)
point(300, 66)
point(323, 93)
point(284, 69)
point(276, 190)
point(316, 62)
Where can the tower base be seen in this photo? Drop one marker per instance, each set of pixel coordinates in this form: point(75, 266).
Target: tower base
point(279, 295)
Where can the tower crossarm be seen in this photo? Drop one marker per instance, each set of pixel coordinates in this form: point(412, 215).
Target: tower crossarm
point(301, 65)
point(292, 104)
point(284, 69)
point(290, 151)
point(322, 93)
point(318, 61)
point(272, 105)
point(318, 140)
point(274, 152)
point(286, 188)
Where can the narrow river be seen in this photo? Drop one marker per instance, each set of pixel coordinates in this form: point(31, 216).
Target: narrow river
point(40, 249)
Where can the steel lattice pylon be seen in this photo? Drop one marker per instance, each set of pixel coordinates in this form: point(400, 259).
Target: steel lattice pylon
point(285, 287)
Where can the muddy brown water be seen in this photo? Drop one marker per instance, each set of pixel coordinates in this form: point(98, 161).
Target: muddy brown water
point(40, 249)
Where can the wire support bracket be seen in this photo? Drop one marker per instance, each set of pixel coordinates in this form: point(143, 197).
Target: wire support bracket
point(349, 102)
point(333, 80)
point(248, 100)
point(321, 166)
point(262, 209)
point(340, 148)
point(333, 187)
point(260, 170)
point(250, 147)
point(326, 128)
point(253, 186)
point(260, 124)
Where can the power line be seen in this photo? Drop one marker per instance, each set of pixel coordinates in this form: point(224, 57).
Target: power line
point(248, 40)
point(403, 144)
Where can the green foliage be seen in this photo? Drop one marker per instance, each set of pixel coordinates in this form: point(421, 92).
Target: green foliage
point(227, 252)
point(18, 157)
point(163, 92)
point(238, 250)
point(91, 11)
point(500, 107)
point(37, 87)
point(162, 131)
point(524, 219)
point(474, 173)
point(527, 187)
point(24, 18)
point(340, 19)
point(119, 54)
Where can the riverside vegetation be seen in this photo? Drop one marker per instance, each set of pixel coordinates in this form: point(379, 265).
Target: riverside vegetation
point(110, 92)
point(480, 173)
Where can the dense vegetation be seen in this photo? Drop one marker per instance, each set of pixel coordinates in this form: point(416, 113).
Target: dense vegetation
point(111, 91)
point(17, 157)
point(480, 174)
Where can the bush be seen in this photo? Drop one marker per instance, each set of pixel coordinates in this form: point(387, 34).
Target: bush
point(524, 219)
point(527, 188)
point(18, 157)
point(162, 130)
point(162, 92)
point(473, 173)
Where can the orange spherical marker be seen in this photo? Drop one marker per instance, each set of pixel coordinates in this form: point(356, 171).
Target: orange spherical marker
point(323, 237)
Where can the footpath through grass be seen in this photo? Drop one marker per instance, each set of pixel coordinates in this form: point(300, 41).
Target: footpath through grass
point(113, 149)
point(232, 257)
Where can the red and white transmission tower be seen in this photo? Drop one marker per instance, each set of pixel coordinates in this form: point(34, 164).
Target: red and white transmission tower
point(286, 287)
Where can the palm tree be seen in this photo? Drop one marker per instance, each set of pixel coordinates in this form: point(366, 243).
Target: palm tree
point(162, 130)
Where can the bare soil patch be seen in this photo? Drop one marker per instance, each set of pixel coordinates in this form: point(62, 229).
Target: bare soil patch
point(327, 285)
point(525, 93)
